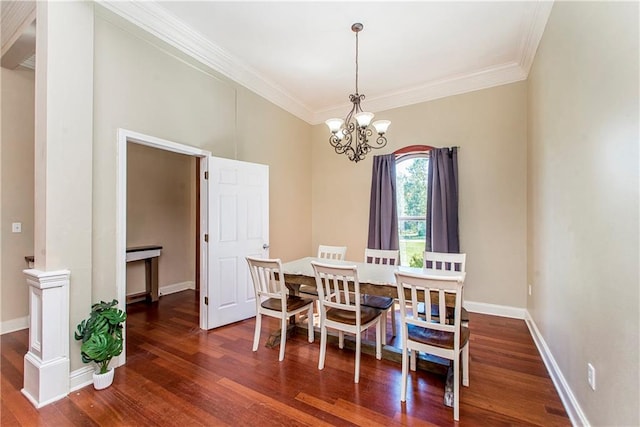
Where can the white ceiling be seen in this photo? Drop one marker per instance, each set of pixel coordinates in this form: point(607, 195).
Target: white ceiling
point(307, 49)
point(301, 54)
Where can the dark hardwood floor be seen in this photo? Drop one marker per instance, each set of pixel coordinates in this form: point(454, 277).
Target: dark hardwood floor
point(178, 375)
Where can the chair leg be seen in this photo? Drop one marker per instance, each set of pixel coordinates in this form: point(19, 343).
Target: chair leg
point(340, 339)
point(379, 329)
point(405, 373)
point(310, 323)
point(383, 327)
point(414, 359)
point(465, 365)
point(456, 388)
point(256, 335)
point(323, 346)
point(393, 319)
point(358, 345)
point(283, 337)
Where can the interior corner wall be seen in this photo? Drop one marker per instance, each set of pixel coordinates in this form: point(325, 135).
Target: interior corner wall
point(583, 203)
point(17, 180)
point(161, 211)
point(489, 126)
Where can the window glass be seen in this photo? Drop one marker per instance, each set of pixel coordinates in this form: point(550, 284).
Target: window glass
point(411, 181)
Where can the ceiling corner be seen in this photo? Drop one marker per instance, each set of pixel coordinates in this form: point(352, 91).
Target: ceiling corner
point(531, 36)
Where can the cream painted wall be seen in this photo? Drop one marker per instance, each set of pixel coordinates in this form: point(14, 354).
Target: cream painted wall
point(141, 85)
point(161, 211)
point(489, 126)
point(583, 202)
point(17, 192)
point(268, 135)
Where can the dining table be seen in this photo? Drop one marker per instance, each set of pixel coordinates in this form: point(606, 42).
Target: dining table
point(374, 279)
point(379, 280)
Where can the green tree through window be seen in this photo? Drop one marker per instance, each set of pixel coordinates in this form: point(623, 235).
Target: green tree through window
point(411, 181)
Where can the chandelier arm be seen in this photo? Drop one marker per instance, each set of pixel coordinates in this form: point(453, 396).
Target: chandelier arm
point(381, 141)
point(340, 145)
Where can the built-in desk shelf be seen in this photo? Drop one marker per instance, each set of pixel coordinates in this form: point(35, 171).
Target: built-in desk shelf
point(150, 255)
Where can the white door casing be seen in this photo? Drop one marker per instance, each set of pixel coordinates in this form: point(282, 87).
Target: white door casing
point(238, 218)
point(125, 137)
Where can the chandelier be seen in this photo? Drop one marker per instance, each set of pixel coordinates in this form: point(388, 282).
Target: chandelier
point(351, 136)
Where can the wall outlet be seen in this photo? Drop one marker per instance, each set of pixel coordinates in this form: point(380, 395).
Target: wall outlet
point(591, 376)
point(16, 227)
point(529, 290)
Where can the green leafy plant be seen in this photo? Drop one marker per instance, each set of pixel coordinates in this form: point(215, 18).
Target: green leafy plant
point(101, 334)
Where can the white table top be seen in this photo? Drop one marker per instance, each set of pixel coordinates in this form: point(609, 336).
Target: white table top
point(375, 274)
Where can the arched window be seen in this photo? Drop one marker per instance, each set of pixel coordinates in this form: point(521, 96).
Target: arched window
point(412, 165)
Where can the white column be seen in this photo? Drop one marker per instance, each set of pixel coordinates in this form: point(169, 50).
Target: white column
point(63, 196)
point(46, 365)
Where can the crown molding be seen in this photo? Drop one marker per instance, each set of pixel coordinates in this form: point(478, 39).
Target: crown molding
point(532, 36)
point(495, 76)
point(469, 82)
point(152, 18)
point(16, 16)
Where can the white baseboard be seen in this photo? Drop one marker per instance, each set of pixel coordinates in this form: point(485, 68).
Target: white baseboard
point(81, 378)
point(176, 287)
point(494, 309)
point(14, 325)
point(571, 405)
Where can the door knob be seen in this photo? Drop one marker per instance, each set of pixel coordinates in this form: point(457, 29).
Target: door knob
point(265, 246)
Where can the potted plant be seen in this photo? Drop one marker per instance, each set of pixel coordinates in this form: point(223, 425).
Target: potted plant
point(101, 336)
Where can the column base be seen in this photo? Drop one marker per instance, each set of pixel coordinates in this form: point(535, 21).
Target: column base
point(45, 382)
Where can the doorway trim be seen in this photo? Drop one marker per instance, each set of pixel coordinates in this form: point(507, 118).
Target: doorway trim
point(126, 136)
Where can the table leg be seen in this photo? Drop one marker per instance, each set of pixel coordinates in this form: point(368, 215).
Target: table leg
point(448, 388)
point(274, 337)
point(151, 278)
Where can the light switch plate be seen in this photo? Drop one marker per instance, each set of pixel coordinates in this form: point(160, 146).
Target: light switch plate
point(16, 227)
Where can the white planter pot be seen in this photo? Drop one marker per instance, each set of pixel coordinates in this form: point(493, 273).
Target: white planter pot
point(102, 381)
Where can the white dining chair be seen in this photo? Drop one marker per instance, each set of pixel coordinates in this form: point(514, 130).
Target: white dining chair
point(332, 252)
point(340, 309)
point(438, 336)
point(387, 304)
point(273, 299)
point(324, 252)
point(443, 261)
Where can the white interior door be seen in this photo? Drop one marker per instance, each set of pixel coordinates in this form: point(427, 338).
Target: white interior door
point(238, 219)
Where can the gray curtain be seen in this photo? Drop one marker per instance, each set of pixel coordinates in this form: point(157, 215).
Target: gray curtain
point(383, 212)
point(442, 201)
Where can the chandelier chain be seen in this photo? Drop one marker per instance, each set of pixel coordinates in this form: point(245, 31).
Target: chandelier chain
point(357, 63)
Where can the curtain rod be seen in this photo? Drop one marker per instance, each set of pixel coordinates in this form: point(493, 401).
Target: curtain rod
point(416, 149)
